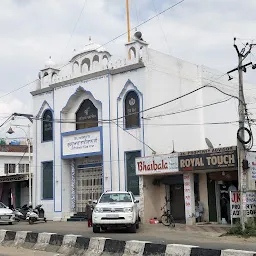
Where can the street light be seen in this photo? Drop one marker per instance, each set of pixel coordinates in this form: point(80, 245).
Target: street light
point(11, 131)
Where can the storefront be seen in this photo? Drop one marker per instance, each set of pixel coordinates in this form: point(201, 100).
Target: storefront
point(217, 174)
point(160, 181)
point(14, 190)
point(187, 180)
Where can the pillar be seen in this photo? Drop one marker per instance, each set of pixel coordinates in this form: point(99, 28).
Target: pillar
point(73, 185)
point(141, 200)
point(189, 198)
point(203, 195)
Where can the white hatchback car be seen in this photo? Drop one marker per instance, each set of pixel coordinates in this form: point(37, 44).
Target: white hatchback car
point(116, 209)
point(6, 214)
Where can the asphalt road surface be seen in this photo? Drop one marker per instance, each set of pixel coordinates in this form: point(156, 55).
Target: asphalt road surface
point(11, 251)
point(153, 233)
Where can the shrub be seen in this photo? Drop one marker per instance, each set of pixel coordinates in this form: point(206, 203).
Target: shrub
point(250, 230)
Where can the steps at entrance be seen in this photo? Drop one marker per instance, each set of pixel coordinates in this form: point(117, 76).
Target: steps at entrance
point(80, 216)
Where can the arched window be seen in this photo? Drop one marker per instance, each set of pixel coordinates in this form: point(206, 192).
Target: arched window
point(75, 68)
point(132, 109)
point(85, 65)
point(132, 52)
point(86, 115)
point(47, 126)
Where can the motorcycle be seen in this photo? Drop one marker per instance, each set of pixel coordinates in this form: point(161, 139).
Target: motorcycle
point(36, 214)
point(21, 213)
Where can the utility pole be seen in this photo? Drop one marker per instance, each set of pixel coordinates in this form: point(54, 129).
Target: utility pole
point(30, 118)
point(29, 171)
point(241, 150)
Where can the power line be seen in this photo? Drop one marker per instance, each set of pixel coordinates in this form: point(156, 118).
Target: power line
point(160, 24)
point(153, 107)
point(174, 124)
point(190, 109)
point(137, 12)
point(19, 88)
point(108, 42)
point(74, 28)
point(6, 121)
point(135, 27)
point(182, 96)
point(118, 126)
point(192, 124)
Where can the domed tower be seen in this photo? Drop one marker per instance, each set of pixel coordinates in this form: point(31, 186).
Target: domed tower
point(136, 49)
point(91, 58)
point(49, 73)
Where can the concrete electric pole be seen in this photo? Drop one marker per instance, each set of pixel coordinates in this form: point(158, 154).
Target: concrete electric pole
point(30, 118)
point(241, 150)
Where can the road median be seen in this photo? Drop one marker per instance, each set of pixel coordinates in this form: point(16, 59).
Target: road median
point(79, 245)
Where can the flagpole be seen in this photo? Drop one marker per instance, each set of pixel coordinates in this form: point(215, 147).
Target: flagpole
point(128, 26)
point(128, 20)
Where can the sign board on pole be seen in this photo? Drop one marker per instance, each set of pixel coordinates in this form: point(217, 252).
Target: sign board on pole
point(251, 157)
point(235, 204)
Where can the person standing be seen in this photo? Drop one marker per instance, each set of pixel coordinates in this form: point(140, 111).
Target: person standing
point(199, 210)
point(89, 212)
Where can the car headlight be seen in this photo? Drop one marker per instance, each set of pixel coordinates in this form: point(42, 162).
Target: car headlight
point(98, 209)
point(128, 209)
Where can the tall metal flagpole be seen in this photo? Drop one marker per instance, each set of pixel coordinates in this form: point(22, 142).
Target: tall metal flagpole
point(128, 25)
point(128, 20)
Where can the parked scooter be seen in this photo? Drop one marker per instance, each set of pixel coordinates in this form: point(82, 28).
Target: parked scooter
point(36, 214)
point(21, 213)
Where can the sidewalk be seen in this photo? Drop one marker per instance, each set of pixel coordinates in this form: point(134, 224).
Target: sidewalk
point(209, 228)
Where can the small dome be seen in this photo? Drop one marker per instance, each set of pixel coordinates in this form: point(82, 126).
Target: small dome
point(93, 47)
point(90, 47)
point(49, 63)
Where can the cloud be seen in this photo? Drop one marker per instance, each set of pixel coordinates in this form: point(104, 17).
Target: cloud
point(198, 31)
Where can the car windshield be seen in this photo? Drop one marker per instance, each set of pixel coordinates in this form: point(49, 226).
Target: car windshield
point(116, 197)
point(2, 205)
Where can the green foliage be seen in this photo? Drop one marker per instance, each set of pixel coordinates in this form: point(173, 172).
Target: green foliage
point(2, 142)
point(250, 229)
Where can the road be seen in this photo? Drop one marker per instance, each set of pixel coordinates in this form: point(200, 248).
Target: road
point(11, 251)
point(153, 233)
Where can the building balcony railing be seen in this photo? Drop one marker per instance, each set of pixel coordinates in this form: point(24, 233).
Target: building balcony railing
point(14, 169)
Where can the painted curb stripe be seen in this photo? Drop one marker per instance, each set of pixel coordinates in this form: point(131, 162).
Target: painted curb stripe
point(82, 243)
point(10, 235)
point(56, 240)
point(204, 252)
point(151, 249)
point(114, 246)
point(106, 245)
point(31, 238)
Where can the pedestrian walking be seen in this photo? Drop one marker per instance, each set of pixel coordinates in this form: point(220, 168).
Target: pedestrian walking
point(89, 212)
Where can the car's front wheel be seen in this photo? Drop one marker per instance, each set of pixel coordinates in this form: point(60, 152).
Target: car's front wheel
point(95, 229)
point(10, 223)
point(132, 229)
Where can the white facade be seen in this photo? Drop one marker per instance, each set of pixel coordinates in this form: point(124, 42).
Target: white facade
point(156, 78)
point(14, 174)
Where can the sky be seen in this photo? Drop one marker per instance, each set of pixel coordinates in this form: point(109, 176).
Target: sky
point(198, 31)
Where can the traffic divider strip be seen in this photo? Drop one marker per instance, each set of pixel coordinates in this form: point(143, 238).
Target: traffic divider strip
point(78, 245)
